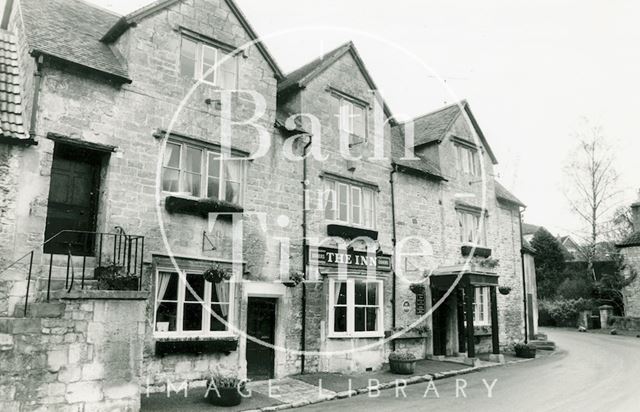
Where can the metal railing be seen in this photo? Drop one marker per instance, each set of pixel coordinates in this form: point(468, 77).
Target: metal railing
point(122, 251)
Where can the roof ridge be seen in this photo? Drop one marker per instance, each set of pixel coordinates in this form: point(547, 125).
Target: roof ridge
point(321, 58)
point(101, 8)
point(459, 103)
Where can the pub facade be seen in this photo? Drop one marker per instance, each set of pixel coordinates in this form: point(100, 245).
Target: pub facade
point(139, 247)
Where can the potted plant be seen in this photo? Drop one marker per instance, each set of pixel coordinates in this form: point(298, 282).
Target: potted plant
point(402, 363)
point(504, 290)
point(216, 274)
point(524, 350)
point(111, 276)
point(295, 278)
point(223, 391)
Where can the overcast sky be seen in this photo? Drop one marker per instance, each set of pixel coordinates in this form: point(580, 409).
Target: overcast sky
point(530, 71)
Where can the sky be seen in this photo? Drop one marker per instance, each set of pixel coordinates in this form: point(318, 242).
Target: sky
point(531, 71)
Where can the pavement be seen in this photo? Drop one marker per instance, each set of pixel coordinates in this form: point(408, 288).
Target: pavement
point(301, 390)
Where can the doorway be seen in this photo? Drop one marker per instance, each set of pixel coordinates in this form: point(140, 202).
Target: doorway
point(261, 324)
point(440, 323)
point(73, 200)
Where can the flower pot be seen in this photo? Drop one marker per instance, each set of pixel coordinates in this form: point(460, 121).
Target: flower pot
point(402, 367)
point(504, 290)
point(527, 352)
point(224, 397)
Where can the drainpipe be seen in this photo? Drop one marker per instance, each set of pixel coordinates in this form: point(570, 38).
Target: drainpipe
point(303, 340)
point(36, 97)
point(393, 242)
point(524, 278)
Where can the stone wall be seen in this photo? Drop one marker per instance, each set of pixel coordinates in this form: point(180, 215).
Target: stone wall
point(632, 292)
point(79, 354)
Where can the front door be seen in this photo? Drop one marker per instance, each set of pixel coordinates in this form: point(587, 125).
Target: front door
point(261, 322)
point(440, 322)
point(73, 198)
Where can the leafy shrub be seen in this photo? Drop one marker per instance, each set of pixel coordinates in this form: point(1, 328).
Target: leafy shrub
point(222, 382)
point(562, 312)
point(401, 356)
point(114, 277)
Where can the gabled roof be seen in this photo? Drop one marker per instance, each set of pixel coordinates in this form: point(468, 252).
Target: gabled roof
point(130, 20)
point(503, 194)
point(300, 77)
point(529, 229)
point(433, 127)
point(421, 166)
point(11, 121)
point(71, 30)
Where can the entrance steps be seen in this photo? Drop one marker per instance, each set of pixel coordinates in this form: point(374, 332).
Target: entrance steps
point(543, 344)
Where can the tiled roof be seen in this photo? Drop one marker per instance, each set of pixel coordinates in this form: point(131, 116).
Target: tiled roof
point(422, 166)
point(633, 240)
point(503, 194)
point(11, 121)
point(527, 247)
point(71, 30)
point(433, 127)
point(309, 70)
point(529, 229)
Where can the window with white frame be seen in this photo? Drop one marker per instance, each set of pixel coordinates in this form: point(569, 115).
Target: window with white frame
point(481, 307)
point(467, 160)
point(353, 118)
point(205, 62)
point(349, 203)
point(201, 172)
point(355, 308)
point(472, 228)
point(179, 312)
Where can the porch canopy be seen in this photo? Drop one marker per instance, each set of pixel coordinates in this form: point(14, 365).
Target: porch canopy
point(466, 278)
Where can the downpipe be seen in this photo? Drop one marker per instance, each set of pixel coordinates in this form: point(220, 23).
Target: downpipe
point(524, 280)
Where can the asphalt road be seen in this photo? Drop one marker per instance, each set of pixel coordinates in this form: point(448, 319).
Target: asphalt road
point(590, 372)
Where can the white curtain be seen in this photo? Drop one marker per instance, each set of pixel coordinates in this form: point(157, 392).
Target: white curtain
point(161, 287)
point(222, 291)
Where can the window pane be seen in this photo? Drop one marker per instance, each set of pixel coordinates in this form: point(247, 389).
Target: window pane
point(328, 197)
point(220, 292)
point(360, 323)
point(372, 319)
point(367, 205)
point(340, 293)
point(213, 176)
point(197, 284)
point(170, 180)
point(340, 319)
point(192, 184)
point(227, 71)
point(166, 317)
point(360, 292)
point(345, 116)
point(372, 293)
point(188, 57)
point(167, 287)
point(192, 316)
point(222, 311)
point(355, 205)
point(208, 63)
point(232, 193)
point(359, 121)
point(233, 170)
point(343, 202)
point(213, 188)
point(172, 156)
point(194, 160)
point(214, 165)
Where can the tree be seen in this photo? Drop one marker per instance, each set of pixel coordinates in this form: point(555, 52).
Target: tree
point(549, 263)
point(608, 289)
point(592, 185)
point(620, 226)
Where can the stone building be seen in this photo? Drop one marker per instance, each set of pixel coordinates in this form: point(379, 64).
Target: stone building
point(630, 250)
point(118, 172)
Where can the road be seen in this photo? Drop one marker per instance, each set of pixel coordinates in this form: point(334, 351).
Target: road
point(590, 372)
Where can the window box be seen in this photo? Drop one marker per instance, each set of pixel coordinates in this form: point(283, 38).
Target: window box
point(478, 251)
point(350, 232)
point(199, 207)
point(168, 346)
point(481, 330)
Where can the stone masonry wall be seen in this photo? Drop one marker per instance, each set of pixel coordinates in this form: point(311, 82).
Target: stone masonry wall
point(632, 292)
point(73, 355)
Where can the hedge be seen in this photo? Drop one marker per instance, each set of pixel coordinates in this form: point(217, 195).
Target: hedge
point(562, 312)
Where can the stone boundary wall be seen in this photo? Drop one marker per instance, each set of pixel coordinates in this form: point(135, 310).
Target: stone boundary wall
point(78, 354)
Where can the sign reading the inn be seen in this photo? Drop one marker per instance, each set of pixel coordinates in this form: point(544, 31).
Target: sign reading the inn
point(358, 260)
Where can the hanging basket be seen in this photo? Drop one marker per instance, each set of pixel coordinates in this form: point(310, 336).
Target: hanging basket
point(417, 288)
point(216, 274)
point(295, 278)
point(504, 290)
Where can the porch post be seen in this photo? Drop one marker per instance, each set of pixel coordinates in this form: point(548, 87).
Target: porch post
point(468, 301)
point(494, 321)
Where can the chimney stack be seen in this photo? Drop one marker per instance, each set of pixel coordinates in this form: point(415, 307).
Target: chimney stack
point(635, 214)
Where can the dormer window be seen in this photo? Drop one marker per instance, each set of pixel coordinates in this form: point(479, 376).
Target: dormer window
point(467, 160)
point(353, 119)
point(211, 64)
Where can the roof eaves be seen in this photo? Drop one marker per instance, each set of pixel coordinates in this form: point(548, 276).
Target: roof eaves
point(476, 126)
point(131, 19)
point(116, 76)
point(417, 171)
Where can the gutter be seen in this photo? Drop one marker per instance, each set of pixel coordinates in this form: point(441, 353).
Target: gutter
point(524, 279)
point(393, 241)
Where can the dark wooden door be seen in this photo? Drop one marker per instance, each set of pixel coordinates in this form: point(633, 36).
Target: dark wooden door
point(73, 199)
point(440, 320)
point(261, 322)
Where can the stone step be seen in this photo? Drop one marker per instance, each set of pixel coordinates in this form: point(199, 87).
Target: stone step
point(543, 344)
point(540, 336)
